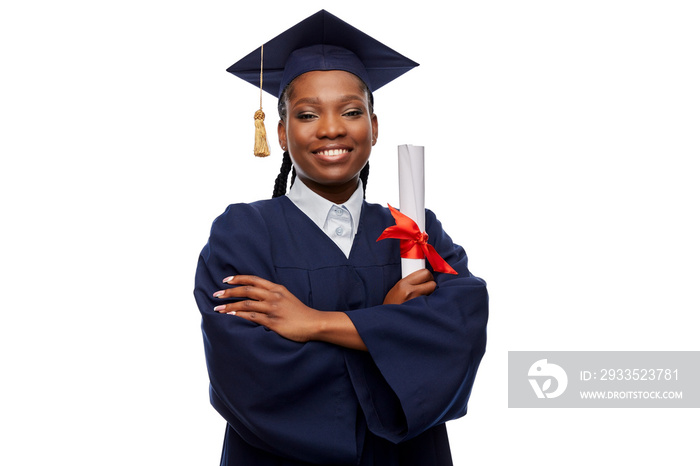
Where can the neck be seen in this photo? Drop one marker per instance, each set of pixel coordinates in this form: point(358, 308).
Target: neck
point(337, 194)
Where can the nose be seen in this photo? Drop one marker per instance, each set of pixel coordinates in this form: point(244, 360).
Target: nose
point(331, 127)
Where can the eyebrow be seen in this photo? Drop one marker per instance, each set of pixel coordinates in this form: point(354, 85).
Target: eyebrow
point(317, 101)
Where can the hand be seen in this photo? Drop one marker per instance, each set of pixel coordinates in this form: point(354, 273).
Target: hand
point(419, 283)
point(270, 305)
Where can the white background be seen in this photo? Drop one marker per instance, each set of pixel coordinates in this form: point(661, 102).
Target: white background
point(561, 144)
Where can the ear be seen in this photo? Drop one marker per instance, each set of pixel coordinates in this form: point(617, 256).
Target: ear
point(282, 135)
point(375, 129)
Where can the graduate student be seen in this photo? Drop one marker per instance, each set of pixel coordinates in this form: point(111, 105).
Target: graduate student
point(318, 352)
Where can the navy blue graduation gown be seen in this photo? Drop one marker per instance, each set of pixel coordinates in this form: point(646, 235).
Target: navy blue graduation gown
point(294, 404)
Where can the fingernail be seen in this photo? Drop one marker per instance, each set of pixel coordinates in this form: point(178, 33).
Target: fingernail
point(228, 279)
point(220, 308)
point(232, 313)
point(218, 293)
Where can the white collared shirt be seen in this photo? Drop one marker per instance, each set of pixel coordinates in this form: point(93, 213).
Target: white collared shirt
point(339, 222)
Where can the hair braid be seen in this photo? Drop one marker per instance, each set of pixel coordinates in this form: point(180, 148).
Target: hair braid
point(364, 174)
point(281, 181)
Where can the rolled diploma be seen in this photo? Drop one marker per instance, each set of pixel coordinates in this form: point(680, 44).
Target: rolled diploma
point(412, 195)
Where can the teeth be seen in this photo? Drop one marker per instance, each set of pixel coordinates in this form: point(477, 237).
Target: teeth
point(332, 152)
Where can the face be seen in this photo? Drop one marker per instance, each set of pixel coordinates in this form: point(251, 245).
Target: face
point(329, 130)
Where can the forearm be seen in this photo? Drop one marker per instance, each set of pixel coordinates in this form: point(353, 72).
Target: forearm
point(338, 329)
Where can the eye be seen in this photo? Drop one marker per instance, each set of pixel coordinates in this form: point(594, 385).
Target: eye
point(353, 113)
point(306, 116)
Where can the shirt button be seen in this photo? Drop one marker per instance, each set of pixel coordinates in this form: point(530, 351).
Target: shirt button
point(338, 212)
point(339, 231)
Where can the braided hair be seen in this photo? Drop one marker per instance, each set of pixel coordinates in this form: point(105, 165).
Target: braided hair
point(281, 180)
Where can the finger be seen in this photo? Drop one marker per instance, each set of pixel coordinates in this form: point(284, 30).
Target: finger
point(418, 277)
point(243, 291)
point(252, 316)
point(252, 280)
point(423, 289)
point(247, 305)
point(426, 288)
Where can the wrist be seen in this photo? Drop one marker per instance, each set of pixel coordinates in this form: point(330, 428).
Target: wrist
point(336, 327)
point(325, 326)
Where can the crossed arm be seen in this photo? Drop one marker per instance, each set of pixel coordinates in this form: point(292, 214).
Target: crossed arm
point(276, 308)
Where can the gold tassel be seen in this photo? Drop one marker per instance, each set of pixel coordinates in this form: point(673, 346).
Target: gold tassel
point(261, 149)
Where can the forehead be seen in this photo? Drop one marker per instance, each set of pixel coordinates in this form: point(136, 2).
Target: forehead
point(325, 84)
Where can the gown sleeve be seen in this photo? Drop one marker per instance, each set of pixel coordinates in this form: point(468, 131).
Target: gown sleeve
point(424, 352)
point(291, 399)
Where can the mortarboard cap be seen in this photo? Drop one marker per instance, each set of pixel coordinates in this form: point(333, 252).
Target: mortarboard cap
point(321, 42)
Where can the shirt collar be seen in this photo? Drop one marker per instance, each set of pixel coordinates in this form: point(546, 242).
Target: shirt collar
point(316, 207)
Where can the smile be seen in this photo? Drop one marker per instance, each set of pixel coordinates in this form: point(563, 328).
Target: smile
point(331, 152)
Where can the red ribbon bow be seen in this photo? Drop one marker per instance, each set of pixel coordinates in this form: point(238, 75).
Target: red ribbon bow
point(414, 243)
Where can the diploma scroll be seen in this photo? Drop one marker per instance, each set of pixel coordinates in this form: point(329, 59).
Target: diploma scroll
point(412, 195)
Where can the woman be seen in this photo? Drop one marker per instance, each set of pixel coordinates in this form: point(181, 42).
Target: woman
point(318, 352)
